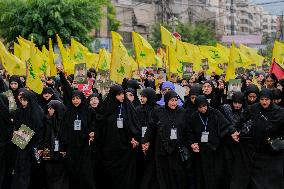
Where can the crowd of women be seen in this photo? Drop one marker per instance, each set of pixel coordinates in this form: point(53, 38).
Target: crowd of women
point(157, 141)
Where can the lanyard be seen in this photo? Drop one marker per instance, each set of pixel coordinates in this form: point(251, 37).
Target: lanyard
point(204, 123)
point(120, 110)
point(77, 116)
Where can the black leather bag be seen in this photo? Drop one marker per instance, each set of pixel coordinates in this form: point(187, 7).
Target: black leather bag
point(276, 144)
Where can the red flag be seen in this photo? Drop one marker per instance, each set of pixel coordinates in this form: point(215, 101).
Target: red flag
point(277, 70)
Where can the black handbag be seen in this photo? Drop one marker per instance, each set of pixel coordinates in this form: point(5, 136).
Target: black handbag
point(276, 144)
point(184, 153)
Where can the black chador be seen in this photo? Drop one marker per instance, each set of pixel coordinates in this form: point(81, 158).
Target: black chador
point(257, 165)
point(169, 126)
point(207, 129)
point(31, 116)
point(6, 130)
point(119, 128)
point(75, 142)
point(146, 169)
point(56, 176)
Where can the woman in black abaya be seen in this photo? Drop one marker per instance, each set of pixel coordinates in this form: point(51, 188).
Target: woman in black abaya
point(258, 166)
point(6, 131)
point(146, 174)
point(207, 128)
point(212, 95)
point(56, 176)
point(31, 115)
point(76, 142)
point(46, 96)
point(169, 126)
point(15, 84)
point(120, 132)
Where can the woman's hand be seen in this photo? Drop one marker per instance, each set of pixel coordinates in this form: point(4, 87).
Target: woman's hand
point(236, 136)
point(145, 147)
point(134, 143)
point(92, 137)
point(195, 147)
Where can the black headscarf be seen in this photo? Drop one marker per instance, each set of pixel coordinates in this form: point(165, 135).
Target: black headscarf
point(43, 102)
point(267, 93)
point(238, 97)
point(15, 78)
point(59, 108)
point(252, 89)
point(136, 101)
point(195, 90)
point(110, 103)
point(168, 96)
point(151, 96)
point(201, 100)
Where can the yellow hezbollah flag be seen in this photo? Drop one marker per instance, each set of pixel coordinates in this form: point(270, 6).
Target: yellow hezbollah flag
point(51, 58)
point(224, 49)
point(167, 37)
point(25, 48)
point(194, 56)
point(17, 50)
point(66, 60)
point(11, 63)
point(252, 55)
point(91, 59)
point(234, 56)
point(214, 53)
point(278, 53)
point(104, 60)
point(145, 54)
point(120, 66)
point(177, 56)
point(34, 74)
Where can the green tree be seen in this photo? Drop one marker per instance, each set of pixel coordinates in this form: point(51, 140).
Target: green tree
point(198, 33)
point(43, 19)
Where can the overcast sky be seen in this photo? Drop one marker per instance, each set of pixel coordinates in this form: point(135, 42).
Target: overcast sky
point(275, 9)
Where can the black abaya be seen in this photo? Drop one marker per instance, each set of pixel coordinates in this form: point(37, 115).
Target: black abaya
point(5, 138)
point(119, 158)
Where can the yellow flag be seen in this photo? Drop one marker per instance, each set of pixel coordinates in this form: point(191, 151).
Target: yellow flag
point(194, 55)
point(214, 53)
point(252, 55)
point(278, 53)
point(17, 50)
point(66, 60)
point(167, 37)
point(104, 60)
point(11, 63)
point(224, 49)
point(145, 54)
point(234, 56)
point(120, 66)
point(51, 58)
point(91, 59)
point(34, 73)
point(25, 48)
point(176, 59)
point(77, 51)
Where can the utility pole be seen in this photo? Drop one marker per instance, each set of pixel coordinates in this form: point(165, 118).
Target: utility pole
point(232, 17)
point(282, 27)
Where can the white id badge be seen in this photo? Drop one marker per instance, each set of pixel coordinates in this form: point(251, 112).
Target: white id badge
point(173, 134)
point(56, 145)
point(144, 131)
point(77, 125)
point(119, 123)
point(204, 136)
